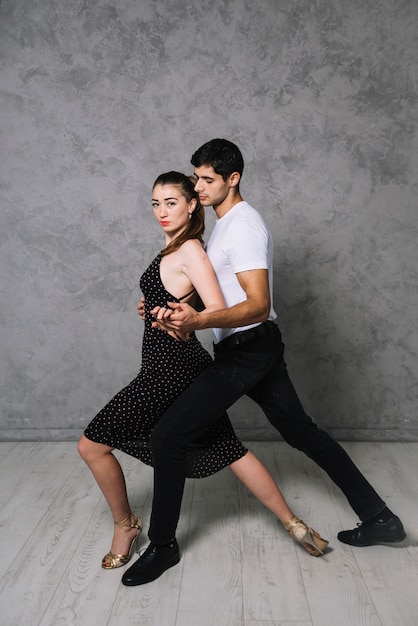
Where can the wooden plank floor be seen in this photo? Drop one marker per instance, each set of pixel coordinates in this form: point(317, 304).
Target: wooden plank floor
point(238, 567)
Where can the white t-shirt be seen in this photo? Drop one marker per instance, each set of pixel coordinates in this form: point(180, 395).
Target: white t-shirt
point(240, 241)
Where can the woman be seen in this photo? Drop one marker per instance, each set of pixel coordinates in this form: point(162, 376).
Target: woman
point(181, 272)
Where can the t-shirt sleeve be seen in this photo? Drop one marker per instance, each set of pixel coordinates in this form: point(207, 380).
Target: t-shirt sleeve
point(248, 248)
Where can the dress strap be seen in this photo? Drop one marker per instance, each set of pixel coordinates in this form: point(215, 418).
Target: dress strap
point(187, 295)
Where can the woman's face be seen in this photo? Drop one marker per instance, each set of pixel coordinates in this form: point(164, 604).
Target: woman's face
point(171, 209)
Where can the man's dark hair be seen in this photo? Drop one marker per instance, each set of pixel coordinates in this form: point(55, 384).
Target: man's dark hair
point(223, 155)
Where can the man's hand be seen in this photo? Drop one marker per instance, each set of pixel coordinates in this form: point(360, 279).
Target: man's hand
point(178, 316)
point(141, 308)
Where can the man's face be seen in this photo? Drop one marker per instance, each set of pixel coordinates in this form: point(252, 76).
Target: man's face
point(210, 186)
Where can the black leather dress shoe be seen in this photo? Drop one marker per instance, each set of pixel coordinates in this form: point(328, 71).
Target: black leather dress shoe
point(151, 564)
point(371, 533)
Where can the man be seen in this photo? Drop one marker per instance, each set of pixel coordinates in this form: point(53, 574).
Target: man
point(248, 360)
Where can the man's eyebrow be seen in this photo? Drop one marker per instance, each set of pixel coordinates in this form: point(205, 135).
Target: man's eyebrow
point(204, 177)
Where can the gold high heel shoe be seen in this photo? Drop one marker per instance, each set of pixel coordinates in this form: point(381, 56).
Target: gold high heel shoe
point(110, 560)
point(310, 539)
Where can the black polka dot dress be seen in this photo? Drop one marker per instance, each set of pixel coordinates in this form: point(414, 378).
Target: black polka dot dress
point(168, 367)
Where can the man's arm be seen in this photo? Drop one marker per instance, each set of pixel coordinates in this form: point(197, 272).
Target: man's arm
point(255, 308)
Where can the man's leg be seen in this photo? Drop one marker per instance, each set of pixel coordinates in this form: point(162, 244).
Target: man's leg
point(277, 397)
point(227, 379)
point(214, 390)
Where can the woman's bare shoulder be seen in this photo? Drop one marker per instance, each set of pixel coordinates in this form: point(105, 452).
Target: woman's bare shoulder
point(192, 248)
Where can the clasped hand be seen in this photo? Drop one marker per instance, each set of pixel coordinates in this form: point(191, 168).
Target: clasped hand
point(175, 316)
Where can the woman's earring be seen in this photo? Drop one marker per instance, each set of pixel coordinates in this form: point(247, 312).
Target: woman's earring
point(190, 216)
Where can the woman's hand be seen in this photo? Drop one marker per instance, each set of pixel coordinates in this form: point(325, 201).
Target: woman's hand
point(177, 316)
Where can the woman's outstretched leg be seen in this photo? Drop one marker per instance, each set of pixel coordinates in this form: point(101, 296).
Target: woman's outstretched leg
point(111, 480)
point(259, 481)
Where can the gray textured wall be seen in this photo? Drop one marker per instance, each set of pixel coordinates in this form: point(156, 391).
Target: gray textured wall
point(98, 97)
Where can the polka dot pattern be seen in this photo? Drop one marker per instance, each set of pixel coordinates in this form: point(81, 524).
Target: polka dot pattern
point(168, 367)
